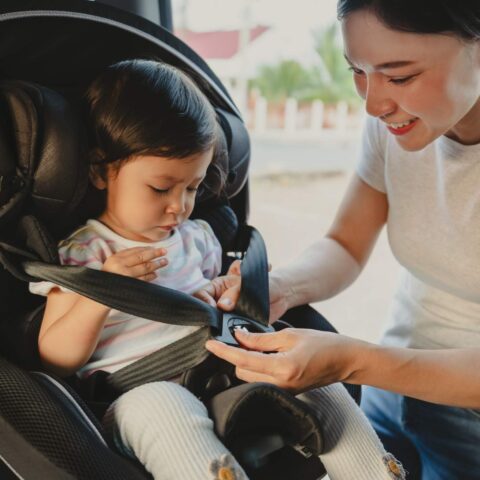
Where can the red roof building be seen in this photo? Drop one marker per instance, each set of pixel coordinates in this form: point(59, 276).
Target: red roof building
point(220, 44)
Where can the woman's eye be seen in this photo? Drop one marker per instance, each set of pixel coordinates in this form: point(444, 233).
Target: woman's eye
point(356, 71)
point(401, 80)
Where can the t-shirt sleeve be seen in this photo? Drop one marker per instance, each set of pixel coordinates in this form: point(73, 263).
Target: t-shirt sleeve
point(210, 249)
point(78, 252)
point(371, 165)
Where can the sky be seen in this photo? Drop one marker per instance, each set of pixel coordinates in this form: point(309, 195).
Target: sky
point(292, 24)
point(225, 14)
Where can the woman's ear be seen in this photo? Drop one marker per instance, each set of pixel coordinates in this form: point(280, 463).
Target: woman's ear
point(97, 178)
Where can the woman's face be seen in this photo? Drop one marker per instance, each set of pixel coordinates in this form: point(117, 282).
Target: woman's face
point(421, 86)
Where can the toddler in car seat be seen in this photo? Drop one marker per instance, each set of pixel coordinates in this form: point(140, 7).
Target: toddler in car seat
point(156, 143)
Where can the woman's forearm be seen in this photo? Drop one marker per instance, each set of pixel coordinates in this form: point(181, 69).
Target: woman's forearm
point(450, 377)
point(69, 342)
point(322, 271)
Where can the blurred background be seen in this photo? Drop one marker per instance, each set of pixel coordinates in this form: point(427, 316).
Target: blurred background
point(283, 65)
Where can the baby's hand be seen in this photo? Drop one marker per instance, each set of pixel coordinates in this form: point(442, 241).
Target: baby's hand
point(136, 262)
point(213, 292)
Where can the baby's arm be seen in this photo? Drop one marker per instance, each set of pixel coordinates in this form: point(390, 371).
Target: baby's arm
point(72, 324)
point(70, 330)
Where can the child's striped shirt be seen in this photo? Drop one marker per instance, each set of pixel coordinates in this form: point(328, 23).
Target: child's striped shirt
point(194, 257)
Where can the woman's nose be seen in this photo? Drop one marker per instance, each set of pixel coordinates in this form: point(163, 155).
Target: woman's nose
point(377, 102)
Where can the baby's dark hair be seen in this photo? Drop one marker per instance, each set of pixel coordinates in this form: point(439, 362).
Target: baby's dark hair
point(458, 17)
point(144, 107)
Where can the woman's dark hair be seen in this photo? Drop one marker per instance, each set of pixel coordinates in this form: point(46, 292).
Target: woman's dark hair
point(144, 107)
point(459, 17)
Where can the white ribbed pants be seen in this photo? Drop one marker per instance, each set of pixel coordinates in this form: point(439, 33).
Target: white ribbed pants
point(169, 431)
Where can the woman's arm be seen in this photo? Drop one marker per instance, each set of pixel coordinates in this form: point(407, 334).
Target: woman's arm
point(72, 324)
point(331, 264)
point(450, 377)
point(302, 359)
point(328, 266)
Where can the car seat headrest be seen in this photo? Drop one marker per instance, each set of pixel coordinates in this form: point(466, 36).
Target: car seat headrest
point(238, 147)
point(42, 145)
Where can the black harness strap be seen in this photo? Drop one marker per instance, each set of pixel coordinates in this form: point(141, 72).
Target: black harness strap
point(189, 351)
point(163, 364)
point(160, 304)
point(254, 300)
point(129, 295)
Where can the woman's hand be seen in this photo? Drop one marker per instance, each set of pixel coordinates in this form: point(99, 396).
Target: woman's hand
point(136, 262)
point(299, 359)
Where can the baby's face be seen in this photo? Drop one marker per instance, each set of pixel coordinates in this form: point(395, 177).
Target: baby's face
point(151, 195)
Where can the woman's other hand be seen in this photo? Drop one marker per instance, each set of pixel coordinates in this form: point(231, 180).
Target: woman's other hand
point(295, 359)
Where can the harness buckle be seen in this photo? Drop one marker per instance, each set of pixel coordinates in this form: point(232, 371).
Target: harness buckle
point(233, 321)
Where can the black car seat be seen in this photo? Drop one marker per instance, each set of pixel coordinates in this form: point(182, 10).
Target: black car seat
point(46, 196)
point(63, 45)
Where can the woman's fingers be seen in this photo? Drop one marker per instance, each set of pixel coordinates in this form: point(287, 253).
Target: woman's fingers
point(249, 376)
point(243, 359)
point(262, 342)
point(254, 366)
point(256, 343)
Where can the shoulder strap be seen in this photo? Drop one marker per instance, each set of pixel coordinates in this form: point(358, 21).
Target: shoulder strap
point(157, 303)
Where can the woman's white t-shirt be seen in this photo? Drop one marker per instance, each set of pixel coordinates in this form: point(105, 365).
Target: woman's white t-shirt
point(434, 232)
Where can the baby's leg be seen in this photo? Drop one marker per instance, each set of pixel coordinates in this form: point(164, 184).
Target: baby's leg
point(169, 431)
point(352, 449)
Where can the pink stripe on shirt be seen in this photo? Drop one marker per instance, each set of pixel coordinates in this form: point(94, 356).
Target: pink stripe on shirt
point(123, 337)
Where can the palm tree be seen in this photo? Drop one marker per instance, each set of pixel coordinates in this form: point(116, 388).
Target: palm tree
point(329, 81)
point(286, 79)
point(333, 80)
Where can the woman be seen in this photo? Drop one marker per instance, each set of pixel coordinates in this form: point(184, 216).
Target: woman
point(417, 65)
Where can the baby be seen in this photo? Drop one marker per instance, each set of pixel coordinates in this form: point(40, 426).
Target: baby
point(156, 143)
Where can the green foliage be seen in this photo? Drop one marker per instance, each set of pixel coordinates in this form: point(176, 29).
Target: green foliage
point(329, 81)
point(333, 79)
point(278, 82)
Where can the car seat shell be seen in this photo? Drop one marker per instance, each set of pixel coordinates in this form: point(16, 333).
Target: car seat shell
point(59, 62)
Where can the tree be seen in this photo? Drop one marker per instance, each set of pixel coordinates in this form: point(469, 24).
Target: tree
point(284, 80)
point(333, 81)
point(329, 80)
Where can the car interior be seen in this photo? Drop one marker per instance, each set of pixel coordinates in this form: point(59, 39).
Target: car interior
point(50, 427)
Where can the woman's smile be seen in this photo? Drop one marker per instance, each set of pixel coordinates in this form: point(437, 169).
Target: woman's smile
point(402, 128)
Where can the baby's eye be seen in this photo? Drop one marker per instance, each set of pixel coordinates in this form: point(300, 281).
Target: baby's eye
point(160, 191)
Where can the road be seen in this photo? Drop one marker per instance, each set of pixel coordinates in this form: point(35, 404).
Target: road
point(327, 152)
